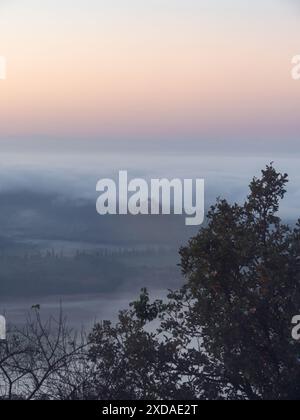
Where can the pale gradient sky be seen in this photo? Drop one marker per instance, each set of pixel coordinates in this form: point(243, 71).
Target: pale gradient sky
point(206, 70)
point(159, 87)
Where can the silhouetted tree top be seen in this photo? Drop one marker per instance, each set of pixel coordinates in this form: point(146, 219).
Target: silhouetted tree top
point(227, 331)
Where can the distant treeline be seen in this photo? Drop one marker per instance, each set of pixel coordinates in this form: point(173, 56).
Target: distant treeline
point(102, 271)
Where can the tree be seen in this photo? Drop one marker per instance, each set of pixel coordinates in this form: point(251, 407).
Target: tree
point(243, 278)
point(226, 334)
point(132, 362)
point(44, 360)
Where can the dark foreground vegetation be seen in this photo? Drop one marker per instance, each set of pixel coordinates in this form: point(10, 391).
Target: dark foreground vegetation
point(226, 334)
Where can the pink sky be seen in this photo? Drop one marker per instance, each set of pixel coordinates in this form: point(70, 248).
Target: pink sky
point(93, 72)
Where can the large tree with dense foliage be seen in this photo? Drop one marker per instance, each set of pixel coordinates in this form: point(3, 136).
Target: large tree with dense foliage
point(243, 277)
point(227, 333)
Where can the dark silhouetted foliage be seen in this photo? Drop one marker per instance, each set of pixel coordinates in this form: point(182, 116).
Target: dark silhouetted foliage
point(227, 333)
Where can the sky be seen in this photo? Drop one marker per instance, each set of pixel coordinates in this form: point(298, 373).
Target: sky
point(159, 86)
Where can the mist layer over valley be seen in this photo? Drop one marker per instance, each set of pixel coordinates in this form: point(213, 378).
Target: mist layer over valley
point(55, 249)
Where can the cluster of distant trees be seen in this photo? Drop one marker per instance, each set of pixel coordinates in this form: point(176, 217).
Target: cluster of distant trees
point(226, 334)
point(99, 271)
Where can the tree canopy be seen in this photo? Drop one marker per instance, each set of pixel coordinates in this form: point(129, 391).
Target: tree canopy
point(226, 334)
